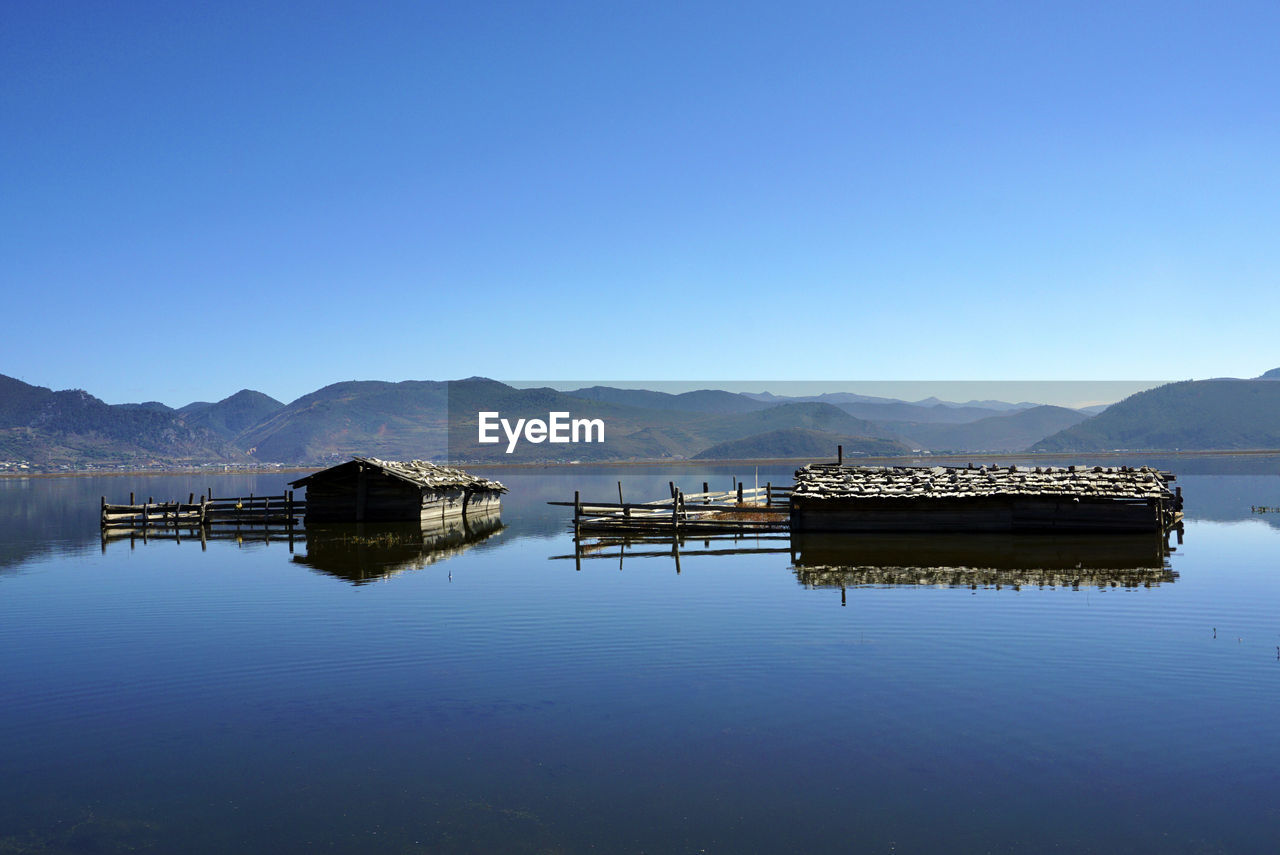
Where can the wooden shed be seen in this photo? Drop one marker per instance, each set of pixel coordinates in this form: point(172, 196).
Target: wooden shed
point(832, 497)
point(366, 489)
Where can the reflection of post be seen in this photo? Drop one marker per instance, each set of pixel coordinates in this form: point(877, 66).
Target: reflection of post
point(621, 548)
point(842, 600)
point(675, 551)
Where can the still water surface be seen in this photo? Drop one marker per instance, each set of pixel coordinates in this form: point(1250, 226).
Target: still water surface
point(495, 698)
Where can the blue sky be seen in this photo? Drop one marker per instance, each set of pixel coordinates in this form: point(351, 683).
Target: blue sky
point(199, 197)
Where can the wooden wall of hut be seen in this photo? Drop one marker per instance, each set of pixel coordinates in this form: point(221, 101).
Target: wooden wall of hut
point(362, 494)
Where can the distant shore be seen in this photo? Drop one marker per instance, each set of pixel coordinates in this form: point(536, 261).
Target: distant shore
point(910, 460)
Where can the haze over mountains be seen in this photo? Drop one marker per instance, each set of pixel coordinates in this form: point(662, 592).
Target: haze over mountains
point(44, 429)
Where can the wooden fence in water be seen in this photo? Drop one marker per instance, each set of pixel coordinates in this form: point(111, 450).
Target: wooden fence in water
point(208, 512)
point(741, 510)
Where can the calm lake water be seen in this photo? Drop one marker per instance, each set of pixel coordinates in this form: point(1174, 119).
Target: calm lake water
point(495, 698)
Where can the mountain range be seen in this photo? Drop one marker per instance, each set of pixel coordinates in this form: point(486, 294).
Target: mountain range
point(72, 429)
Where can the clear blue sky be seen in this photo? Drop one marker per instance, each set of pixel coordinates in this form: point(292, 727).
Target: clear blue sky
point(199, 197)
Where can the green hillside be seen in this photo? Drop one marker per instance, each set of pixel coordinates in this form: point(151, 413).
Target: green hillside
point(1193, 415)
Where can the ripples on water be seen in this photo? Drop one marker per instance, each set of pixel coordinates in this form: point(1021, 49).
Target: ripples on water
point(242, 697)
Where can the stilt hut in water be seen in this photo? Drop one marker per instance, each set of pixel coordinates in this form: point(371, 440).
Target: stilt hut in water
point(366, 489)
point(833, 497)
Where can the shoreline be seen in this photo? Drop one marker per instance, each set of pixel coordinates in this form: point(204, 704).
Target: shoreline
point(910, 460)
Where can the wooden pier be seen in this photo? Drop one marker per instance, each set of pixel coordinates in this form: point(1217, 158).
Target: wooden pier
point(208, 512)
point(740, 510)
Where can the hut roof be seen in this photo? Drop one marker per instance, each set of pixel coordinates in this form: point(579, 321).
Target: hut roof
point(418, 472)
point(832, 481)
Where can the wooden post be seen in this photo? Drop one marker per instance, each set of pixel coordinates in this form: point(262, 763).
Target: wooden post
point(706, 500)
point(840, 454)
point(362, 492)
point(577, 511)
point(739, 492)
point(620, 493)
point(131, 497)
point(104, 516)
point(768, 494)
point(191, 498)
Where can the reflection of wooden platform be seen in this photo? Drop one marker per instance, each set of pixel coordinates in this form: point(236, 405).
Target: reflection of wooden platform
point(851, 560)
point(969, 560)
point(621, 547)
point(364, 552)
point(357, 552)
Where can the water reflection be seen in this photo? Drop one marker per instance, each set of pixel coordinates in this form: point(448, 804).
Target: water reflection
point(365, 552)
point(947, 560)
point(981, 560)
point(356, 552)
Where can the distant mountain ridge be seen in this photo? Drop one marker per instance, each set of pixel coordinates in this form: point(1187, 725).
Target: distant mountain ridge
point(411, 419)
point(72, 427)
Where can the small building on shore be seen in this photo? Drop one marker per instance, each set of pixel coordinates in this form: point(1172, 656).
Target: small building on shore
point(366, 489)
point(835, 498)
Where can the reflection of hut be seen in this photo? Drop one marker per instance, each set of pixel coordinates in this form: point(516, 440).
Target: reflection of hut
point(364, 552)
point(851, 560)
point(833, 498)
point(370, 490)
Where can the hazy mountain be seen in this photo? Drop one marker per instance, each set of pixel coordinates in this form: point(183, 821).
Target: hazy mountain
point(801, 443)
point(701, 401)
point(977, 405)
point(1273, 374)
point(232, 414)
point(1012, 431)
point(1191, 415)
point(73, 428)
point(931, 413)
point(895, 410)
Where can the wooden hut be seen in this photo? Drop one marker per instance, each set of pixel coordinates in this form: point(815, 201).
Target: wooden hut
point(366, 489)
point(832, 497)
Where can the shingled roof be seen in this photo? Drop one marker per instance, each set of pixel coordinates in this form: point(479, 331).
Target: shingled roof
point(832, 481)
point(421, 473)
